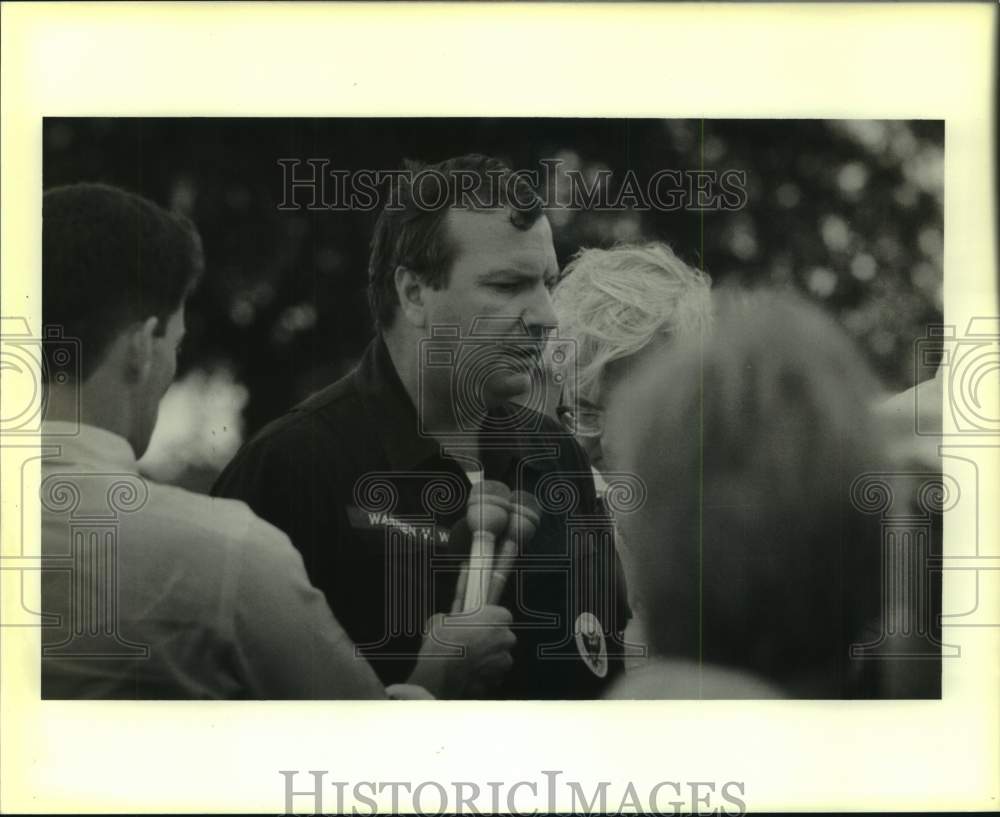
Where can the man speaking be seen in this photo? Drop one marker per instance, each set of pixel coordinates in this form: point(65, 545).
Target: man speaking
point(435, 445)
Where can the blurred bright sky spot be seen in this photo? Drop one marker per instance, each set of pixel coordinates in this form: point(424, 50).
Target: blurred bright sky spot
point(931, 242)
point(596, 173)
point(683, 134)
point(822, 282)
point(863, 267)
point(835, 232)
point(713, 149)
point(926, 170)
point(852, 178)
point(904, 143)
point(296, 318)
point(200, 425)
point(872, 134)
point(742, 241)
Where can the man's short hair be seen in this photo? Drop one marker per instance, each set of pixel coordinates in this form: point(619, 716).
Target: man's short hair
point(614, 303)
point(111, 258)
point(410, 230)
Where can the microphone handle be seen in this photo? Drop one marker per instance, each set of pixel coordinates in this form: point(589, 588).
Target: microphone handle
point(480, 569)
point(503, 563)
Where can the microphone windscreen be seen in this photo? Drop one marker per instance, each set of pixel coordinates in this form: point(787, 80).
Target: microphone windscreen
point(525, 516)
point(488, 506)
point(492, 488)
point(527, 504)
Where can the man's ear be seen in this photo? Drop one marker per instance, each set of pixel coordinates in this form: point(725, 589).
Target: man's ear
point(139, 349)
point(410, 291)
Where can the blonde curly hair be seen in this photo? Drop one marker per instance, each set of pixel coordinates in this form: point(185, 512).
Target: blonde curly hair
point(613, 303)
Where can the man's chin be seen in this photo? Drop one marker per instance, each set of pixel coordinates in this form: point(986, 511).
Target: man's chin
point(507, 387)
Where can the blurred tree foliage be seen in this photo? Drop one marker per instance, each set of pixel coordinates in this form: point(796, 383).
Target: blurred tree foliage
point(848, 212)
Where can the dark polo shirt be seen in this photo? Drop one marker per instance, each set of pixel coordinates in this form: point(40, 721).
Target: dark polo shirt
point(377, 511)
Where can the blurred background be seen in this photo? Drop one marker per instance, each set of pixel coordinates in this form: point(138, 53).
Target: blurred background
point(847, 212)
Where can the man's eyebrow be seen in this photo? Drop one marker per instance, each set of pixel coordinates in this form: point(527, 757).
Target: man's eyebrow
point(509, 272)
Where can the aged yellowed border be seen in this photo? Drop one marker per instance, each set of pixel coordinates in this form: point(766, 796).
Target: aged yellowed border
point(774, 60)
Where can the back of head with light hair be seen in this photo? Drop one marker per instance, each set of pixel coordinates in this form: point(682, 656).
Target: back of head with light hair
point(750, 550)
point(614, 303)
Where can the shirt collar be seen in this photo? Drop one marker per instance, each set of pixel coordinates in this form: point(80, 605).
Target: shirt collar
point(82, 444)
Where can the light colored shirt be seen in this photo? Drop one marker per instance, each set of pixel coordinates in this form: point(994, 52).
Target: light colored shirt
point(163, 593)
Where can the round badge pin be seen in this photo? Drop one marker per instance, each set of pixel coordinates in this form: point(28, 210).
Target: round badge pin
point(590, 643)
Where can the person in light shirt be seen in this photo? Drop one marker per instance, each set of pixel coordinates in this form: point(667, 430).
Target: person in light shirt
point(150, 591)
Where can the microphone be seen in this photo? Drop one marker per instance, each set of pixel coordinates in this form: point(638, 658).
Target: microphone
point(487, 517)
point(525, 516)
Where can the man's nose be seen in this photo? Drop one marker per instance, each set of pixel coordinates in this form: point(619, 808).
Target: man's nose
point(539, 313)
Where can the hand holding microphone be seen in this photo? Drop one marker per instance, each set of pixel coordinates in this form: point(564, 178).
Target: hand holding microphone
point(486, 638)
point(467, 655)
